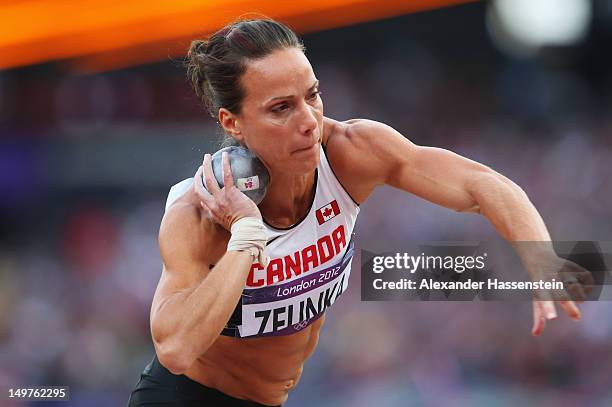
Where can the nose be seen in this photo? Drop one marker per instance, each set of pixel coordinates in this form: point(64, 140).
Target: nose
point(308, 120)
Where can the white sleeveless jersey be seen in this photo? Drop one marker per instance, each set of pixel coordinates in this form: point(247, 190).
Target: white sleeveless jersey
point(310, 263)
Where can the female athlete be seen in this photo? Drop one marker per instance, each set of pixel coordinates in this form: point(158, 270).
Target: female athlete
point(245, 287)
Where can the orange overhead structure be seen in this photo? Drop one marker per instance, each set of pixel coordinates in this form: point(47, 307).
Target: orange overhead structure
point(110, 34)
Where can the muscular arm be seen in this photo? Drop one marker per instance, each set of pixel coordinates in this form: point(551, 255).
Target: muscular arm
point(192, 303)
point(377, 154)
point(380, 155)
point(442, 177)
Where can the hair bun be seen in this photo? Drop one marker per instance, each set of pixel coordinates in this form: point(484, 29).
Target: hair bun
point(198, 47)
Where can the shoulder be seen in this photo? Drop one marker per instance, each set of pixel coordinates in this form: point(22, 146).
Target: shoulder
point(348, 130)
point(362, 153)
point(364, 127)
point(358, 135)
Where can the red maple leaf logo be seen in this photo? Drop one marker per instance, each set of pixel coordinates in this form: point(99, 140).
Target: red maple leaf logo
point(327, 212)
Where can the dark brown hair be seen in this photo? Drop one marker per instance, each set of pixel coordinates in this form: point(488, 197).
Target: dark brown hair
point(216, 65)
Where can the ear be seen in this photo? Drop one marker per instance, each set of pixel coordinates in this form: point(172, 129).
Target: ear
point(230, 123)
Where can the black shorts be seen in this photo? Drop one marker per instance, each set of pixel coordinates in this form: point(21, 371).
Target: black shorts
point(159, 387)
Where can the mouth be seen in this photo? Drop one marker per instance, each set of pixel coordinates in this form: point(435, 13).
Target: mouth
point(305, 149)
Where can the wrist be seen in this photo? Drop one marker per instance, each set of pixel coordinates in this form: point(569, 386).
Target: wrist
point(534, 253)
point(252, 253)
point(250, 222)
point(238, 219)
point(249, 234)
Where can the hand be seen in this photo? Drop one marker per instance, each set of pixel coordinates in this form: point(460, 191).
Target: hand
point(224, 205)
point(545, 310)
point(577, 281)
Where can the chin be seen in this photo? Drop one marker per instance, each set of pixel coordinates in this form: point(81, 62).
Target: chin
point(306, 164)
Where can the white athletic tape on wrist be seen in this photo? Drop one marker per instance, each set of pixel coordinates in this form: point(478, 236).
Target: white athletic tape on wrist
point(249, 234)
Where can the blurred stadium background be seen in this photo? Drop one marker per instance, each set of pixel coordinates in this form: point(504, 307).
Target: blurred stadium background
point(97, 122)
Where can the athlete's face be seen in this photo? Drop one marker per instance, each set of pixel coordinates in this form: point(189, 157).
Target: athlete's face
point(281, 119)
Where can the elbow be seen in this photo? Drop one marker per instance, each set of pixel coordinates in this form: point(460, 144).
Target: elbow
point(512, 189)
point(173, 364)
point(177, 361)
point(177, 353)
point(171, 351)
point(177, 348)
point(491, 188)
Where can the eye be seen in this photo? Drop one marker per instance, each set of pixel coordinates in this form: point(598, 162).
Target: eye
point(314, 94)
point(280, 108)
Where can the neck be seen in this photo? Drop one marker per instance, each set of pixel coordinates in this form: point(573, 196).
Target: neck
point(288, 198)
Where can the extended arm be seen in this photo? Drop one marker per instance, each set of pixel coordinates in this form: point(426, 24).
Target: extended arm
point(450, 180)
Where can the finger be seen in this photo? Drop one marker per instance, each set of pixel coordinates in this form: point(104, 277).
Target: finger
point(198, 180)
point(571, 309)
point(228, 180)
point(206, 200)
point(574, 284)
point(548, 309)
point(207, 210)
point(561, 295)
point(543, 295)
point(576, 292)
point(198, 185)
point(585, 278)
point(209, 178)
point(539, 322)
point(582, 276)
